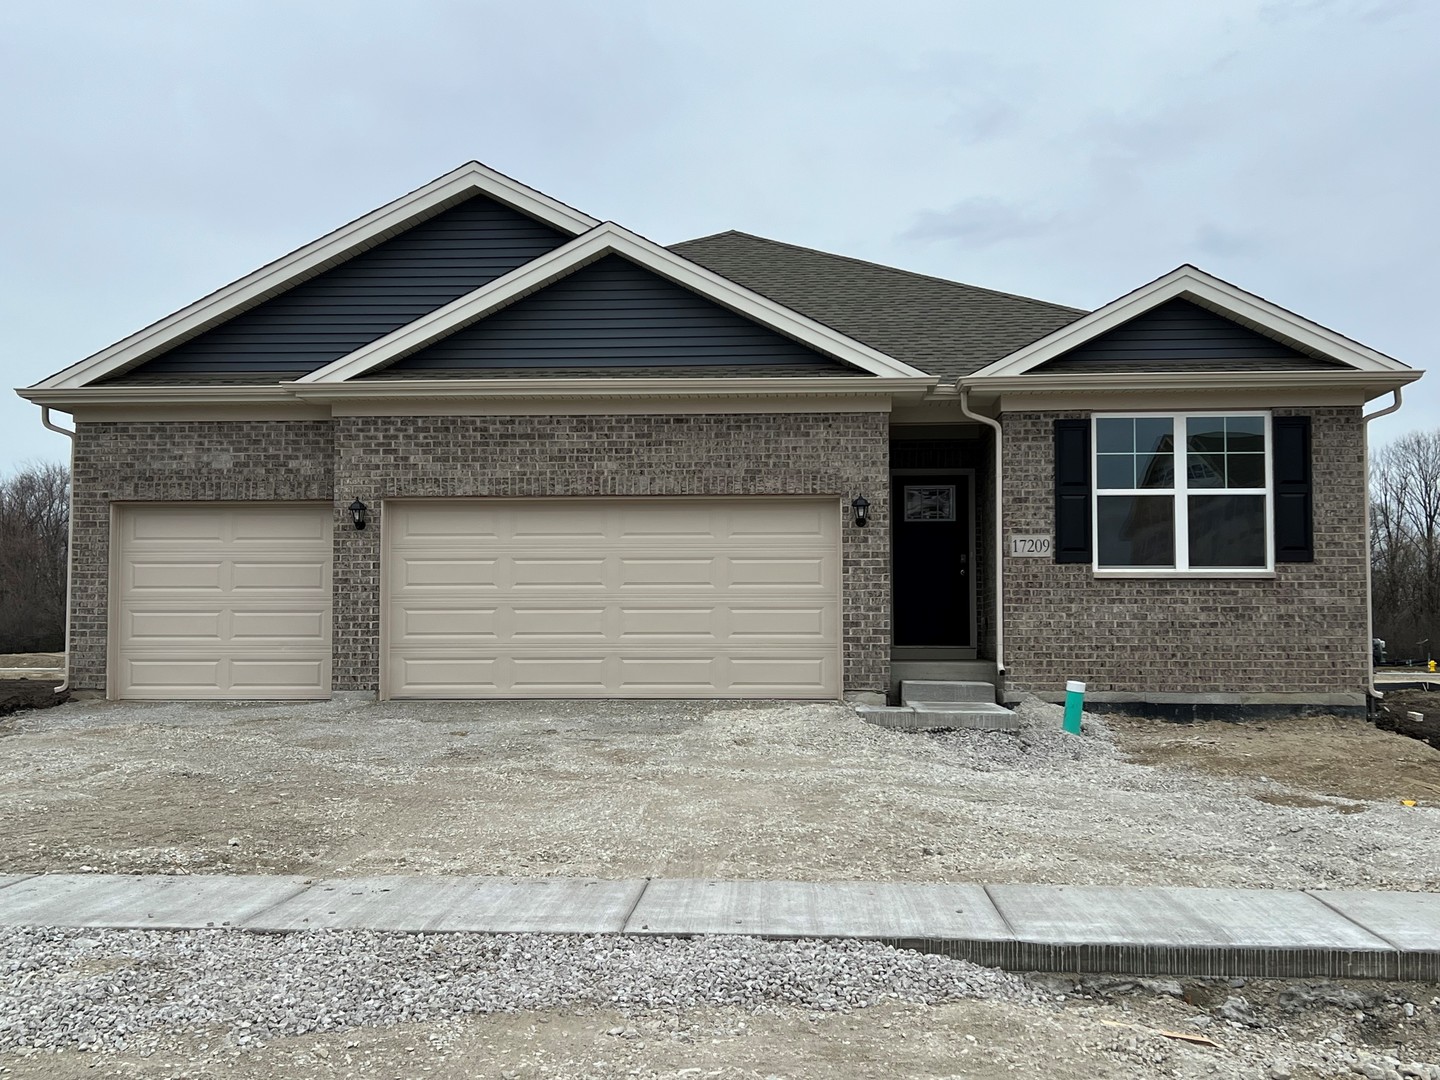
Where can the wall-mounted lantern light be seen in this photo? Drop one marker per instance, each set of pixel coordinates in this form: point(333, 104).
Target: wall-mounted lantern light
point(861, 506)
point(357, 513)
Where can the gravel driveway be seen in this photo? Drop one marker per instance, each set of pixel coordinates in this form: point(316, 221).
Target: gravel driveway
point(671, 789)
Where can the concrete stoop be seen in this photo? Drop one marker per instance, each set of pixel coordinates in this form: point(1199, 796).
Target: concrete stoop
point(942, 706)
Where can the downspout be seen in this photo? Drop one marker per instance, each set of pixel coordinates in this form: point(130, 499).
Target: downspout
point(1369, 556)
point(69, 540)
point(997, 543)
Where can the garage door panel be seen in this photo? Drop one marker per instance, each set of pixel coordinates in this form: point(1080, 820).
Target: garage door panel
point(700, 572)
point(562, 674)
point(789, 623)
point(222, 601)
point(275, 675)
point(447, 676)
point(770, 674)
point(566, 524)
point(447, 574)
point(669, 676)
point(477, 624)
point(176, 526)
point(528, 624)
point(774, 571)
point(170, 575)
point(640, 525)
point(662, 597)
point(273, 577)
point(173, 673)
point(559, 572)
point(278, 528)
point(639, 622)
point(149, 626)
point(300, 627)
point(769, 523)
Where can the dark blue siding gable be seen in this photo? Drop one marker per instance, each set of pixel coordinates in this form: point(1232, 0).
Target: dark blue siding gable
point(364, 298)
point(1181, 336)
point(613, 314)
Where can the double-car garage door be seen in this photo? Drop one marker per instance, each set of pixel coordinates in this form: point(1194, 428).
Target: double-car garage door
point(658, 597)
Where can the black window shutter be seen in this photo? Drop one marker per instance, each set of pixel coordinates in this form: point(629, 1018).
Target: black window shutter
point(1294, 518)
point(1072, 491)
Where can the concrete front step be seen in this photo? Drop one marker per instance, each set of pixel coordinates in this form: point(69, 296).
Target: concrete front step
point(913, 690)
point(941, 716)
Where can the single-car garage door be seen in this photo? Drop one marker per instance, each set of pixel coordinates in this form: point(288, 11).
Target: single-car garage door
point(222, 601)
point(653, 597)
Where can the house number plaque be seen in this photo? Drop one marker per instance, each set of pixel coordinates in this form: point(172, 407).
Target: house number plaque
point(1031, 546)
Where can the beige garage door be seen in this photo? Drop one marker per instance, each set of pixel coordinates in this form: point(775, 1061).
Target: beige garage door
point(222, 601)
point(613, 598)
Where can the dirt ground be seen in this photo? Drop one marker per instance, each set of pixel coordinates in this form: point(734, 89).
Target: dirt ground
point(696, 789)
point(1104, 1028)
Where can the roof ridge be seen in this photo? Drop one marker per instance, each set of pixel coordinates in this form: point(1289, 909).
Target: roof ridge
point(883, 266)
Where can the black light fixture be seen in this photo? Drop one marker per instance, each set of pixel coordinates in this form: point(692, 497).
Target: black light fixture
point(861, 506)
point(357, 513)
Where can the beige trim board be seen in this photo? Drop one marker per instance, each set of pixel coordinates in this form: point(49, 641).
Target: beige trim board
point(1297, 397)
point(68, 400)
point(614, 407)
point(1370, 383)
point(298, 410)
point(412, 389)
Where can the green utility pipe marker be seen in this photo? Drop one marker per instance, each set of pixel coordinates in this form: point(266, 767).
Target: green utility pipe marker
point(1074, 703)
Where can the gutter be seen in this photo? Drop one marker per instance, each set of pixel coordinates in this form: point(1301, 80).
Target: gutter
point(69, 540)
point(1372, 693)
point(999, 533)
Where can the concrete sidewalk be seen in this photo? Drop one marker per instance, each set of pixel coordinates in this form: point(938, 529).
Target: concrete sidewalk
point(1153, 931)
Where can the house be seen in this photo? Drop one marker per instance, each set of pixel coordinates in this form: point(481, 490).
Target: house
point(480, 444)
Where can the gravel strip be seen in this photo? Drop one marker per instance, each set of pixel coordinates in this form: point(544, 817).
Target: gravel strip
point(137, 989)
point(755, 791)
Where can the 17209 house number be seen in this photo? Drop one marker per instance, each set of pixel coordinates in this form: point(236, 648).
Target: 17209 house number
point(1034, 546)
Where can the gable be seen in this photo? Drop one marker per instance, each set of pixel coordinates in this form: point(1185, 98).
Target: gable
point(1180, 335)
point(358, 301)
point(613, 317)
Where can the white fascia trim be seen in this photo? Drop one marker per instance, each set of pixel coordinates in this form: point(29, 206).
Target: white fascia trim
point(66, 398)
point(541, 388)
point(605, 239)
point(470, 179)
point(1192, 283)
point(1372, 382)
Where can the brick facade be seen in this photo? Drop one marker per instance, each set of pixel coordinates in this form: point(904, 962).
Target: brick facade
point(373, 458)
point(1300, 632)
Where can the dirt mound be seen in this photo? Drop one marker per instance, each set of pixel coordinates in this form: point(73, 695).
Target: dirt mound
point(16, 695)
point(1400, 708)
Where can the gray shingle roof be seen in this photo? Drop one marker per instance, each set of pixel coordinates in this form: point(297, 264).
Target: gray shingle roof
point(942, 327)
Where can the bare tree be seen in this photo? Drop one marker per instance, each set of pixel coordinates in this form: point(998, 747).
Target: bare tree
point(1405, 544)
point(34, 536)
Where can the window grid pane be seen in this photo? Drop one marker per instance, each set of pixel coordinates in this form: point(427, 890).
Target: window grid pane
point(1226, 517)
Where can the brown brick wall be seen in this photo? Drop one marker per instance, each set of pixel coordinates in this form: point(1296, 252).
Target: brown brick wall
point(751, 454)
point(378, 457)
point(220, 461)
point(1301, 632)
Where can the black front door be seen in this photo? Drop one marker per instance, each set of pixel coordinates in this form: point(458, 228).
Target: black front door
point(930, 556)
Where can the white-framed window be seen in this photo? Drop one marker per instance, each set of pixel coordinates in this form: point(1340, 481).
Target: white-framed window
point(1184, 492)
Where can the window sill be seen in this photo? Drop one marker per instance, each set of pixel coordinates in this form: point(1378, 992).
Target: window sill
point(1191, 575)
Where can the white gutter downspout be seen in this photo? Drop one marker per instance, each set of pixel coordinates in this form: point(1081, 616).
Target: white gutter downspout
point(69, 540)
point(999, 532)
point(1369, 559)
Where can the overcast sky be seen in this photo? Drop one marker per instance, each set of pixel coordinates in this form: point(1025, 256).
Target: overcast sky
point(1070, 151)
